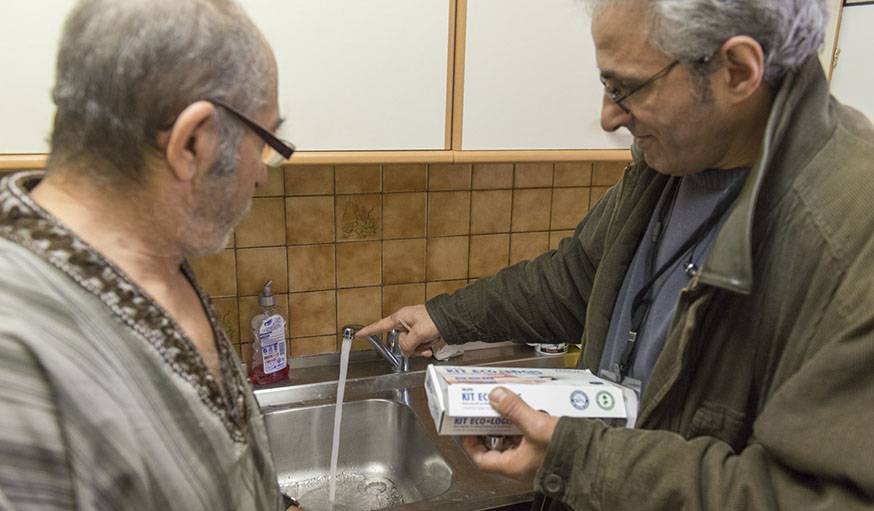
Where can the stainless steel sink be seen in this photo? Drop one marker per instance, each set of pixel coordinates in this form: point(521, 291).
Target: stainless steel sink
point(390, 453)
point(385, 457)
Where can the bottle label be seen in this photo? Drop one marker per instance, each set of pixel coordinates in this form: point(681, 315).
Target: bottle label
point(271, 336)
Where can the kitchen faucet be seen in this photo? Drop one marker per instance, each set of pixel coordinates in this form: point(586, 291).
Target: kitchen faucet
point(391, 352)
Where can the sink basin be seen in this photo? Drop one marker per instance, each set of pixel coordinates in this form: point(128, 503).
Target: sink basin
point(385, 459)
point(390, 453)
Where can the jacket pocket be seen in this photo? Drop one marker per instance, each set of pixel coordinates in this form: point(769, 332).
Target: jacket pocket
point(719, 421)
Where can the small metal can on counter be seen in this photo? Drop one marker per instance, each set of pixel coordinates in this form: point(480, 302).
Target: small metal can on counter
point(551, 349)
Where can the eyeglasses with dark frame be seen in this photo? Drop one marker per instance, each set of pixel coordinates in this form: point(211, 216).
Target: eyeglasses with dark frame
point(276, 150)
point(616, 96)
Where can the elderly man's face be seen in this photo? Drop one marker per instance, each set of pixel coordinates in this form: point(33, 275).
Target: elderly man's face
point(677, 131)
point(222, 201)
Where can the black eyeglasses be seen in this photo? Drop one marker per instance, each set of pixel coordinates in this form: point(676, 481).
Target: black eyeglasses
point(617, 96)
point(276, 150)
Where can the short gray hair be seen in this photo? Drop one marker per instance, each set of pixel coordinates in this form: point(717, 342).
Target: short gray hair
point(789, 31)
point(127, 68)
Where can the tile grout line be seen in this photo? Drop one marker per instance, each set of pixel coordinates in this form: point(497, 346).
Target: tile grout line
point(336, 289)
point(469, 222)
point(381, 239)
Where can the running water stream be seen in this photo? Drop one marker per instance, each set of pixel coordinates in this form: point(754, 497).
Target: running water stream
point(338, 415)
point(345, 491)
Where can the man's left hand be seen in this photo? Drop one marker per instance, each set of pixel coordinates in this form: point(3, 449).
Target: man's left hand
point(521, 460)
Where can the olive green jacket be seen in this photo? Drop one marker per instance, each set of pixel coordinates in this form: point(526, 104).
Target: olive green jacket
point(763, 397)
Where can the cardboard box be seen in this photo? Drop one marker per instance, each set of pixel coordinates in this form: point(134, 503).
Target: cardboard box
point(458, 396)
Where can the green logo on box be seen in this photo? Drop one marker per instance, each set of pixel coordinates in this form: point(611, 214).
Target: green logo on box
point(605, 400)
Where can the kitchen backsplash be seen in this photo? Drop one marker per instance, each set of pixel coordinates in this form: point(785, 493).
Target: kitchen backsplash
point(352, 243)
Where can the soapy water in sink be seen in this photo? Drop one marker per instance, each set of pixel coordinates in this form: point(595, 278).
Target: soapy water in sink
point(354, 492)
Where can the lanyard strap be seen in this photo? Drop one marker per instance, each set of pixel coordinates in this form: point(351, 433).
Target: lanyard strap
point(642, 302)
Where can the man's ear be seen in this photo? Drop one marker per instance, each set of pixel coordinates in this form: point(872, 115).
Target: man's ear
point(193, 141)
point(743, 69)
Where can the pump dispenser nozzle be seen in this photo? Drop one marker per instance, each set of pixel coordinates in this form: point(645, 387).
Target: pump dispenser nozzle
point(266, 299)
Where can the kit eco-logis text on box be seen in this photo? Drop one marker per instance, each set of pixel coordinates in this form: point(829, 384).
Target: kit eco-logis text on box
point(458, 396)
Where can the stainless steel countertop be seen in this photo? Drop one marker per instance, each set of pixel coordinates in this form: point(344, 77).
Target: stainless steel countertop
point(471, 489)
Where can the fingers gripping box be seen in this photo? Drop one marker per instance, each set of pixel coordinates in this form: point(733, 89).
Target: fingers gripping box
point(458, 396)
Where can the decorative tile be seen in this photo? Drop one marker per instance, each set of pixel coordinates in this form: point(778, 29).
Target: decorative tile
point(357, 178)
point(309, 180)
point(490, 211)
point(358, 264)
point(448, 213)
point(447, 258)
point(358, 217)
point(607, 173)
point(307, 346)
point(274, 187)
point(488, 254)
point(489, 176)
point(525, 246)
point(228, 317)
point(216, 273)
point(255, 266)
point(403, 261)
point(404, 215)
point(533, 175)
point(249, 308)
point(264, 225)
point(313, 314)
point(569, 206)
point(405, 178)
point(531, 210)
point(433, 289)
point(446, 176)
point(311, 267)
point(556, 236)
point(309, 220)
point(576, 173)
point(402, 295)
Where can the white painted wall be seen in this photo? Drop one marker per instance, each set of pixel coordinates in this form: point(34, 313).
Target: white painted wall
point(353, 74)
point(826, 53)
point(530, 79)
point(372, 75)
point(29, 36)
point(359, 75)
point(853, 78)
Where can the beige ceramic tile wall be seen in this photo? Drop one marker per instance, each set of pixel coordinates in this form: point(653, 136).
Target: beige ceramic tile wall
point(349, 244)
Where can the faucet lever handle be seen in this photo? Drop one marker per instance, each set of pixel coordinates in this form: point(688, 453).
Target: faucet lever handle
point(394, 342)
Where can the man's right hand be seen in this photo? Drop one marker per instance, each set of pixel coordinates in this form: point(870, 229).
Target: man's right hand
point(418, 331)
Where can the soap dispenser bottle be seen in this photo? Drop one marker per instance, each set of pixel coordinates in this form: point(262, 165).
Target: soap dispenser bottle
point(269, 363)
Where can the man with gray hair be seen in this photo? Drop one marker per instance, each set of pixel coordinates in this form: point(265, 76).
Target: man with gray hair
point(118, 388)
point(728, 277)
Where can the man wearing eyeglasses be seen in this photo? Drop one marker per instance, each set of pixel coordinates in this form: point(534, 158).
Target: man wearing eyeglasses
point(727, 277)
point(118, 387)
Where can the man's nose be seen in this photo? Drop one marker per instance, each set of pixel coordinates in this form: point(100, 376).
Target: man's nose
point(613, 116)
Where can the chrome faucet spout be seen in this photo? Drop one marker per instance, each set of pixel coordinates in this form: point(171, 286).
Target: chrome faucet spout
point(391, 353)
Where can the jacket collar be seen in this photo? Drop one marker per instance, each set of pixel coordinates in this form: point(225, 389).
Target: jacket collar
point(800, 122)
